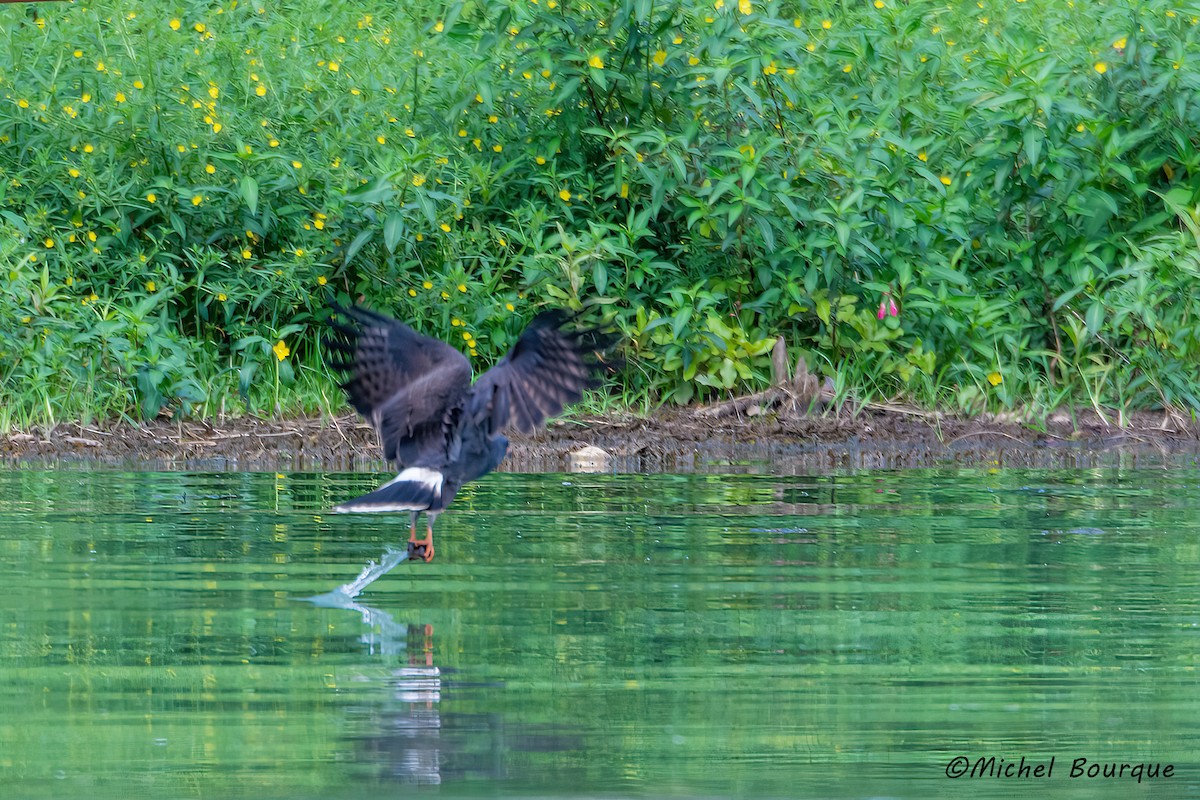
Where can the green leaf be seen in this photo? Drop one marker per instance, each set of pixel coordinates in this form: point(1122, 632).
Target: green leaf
point(1094, 317)
point(356, 245)
point(1033, 144)
point(393, 230)
point(249, 191)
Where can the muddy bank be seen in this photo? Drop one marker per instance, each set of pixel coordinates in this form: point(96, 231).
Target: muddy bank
point(671, 440)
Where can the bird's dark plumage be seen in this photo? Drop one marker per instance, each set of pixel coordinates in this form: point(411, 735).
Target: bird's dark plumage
point(439, 429)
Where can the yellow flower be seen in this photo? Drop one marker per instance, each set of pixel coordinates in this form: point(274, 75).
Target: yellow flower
point(445, 228)
point(221, 297)
point(321, 280)
point(273, 143)
point(381, 139)
point(281, 350)
point(152, 197)
point(847, 68)
point(299, 251)
point(462, 287)
point(297, 165)
point(879, 4)
point(150, 286)
point(660, 56)
point(497, 147)
point(995, 378)
point(945, 179)
point(49, 242)
point(1101, 67)
point(246, 253)
point(200, 27)
point(174, 24)
point(210, 169)
point(426, 285)
point(214, 92)
point(462, 132)
point(466, 336)
point(418, 180)
point(595, 62)
point(565, 195)
point(120, 97)
point(410, 133)
point(100, 66)
point(74, 173)
point(455, 322)
point(921, 156)
point(826, 24)
point(197, 199)
point(1120, 43)
point(445, 295)
point(87, 148)
point(745, 7)
point(509, 306)
point(139, 85)
point(333, 66)
point(23, 103)
point(439, 27)
point(260, 90)
point(412, 292)
point(540, 160)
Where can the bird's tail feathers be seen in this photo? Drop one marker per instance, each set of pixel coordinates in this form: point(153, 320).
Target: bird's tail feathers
point(414, 489)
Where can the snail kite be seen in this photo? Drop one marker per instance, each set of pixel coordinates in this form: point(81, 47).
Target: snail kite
point(437, 427)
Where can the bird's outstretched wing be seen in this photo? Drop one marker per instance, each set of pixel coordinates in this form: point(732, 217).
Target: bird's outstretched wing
point(546, 370)
point(408, 386)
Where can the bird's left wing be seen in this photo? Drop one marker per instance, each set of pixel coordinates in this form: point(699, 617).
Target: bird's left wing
point(546, 370)
point(408, 386)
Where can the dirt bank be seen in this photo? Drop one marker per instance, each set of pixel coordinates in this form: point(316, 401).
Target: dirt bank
point(670, 440)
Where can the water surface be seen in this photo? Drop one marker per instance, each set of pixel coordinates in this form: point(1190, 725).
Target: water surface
point(612, 636)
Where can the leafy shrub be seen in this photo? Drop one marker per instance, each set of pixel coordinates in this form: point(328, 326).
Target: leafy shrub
point(184, 190)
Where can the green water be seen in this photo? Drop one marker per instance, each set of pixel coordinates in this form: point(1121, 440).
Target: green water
point(606, 636)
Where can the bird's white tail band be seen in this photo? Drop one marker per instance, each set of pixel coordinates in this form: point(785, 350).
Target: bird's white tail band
point(414, 489)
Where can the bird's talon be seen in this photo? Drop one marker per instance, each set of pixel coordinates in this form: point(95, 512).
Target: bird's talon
point(421, 550)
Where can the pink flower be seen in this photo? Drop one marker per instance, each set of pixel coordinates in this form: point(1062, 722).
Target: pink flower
point(888, 307)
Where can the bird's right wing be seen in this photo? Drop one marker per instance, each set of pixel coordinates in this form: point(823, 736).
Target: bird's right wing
point(545, 371)
point(408, 386)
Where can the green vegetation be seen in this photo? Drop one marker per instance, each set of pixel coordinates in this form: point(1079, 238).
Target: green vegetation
point(184, 187)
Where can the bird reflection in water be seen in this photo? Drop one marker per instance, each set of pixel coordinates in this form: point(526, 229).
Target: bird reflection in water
point(414, 735)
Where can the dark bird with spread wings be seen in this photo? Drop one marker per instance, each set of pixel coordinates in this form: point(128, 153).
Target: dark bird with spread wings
point(438, 428)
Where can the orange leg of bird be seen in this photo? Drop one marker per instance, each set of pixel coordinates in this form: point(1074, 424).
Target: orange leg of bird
point(421, 547)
